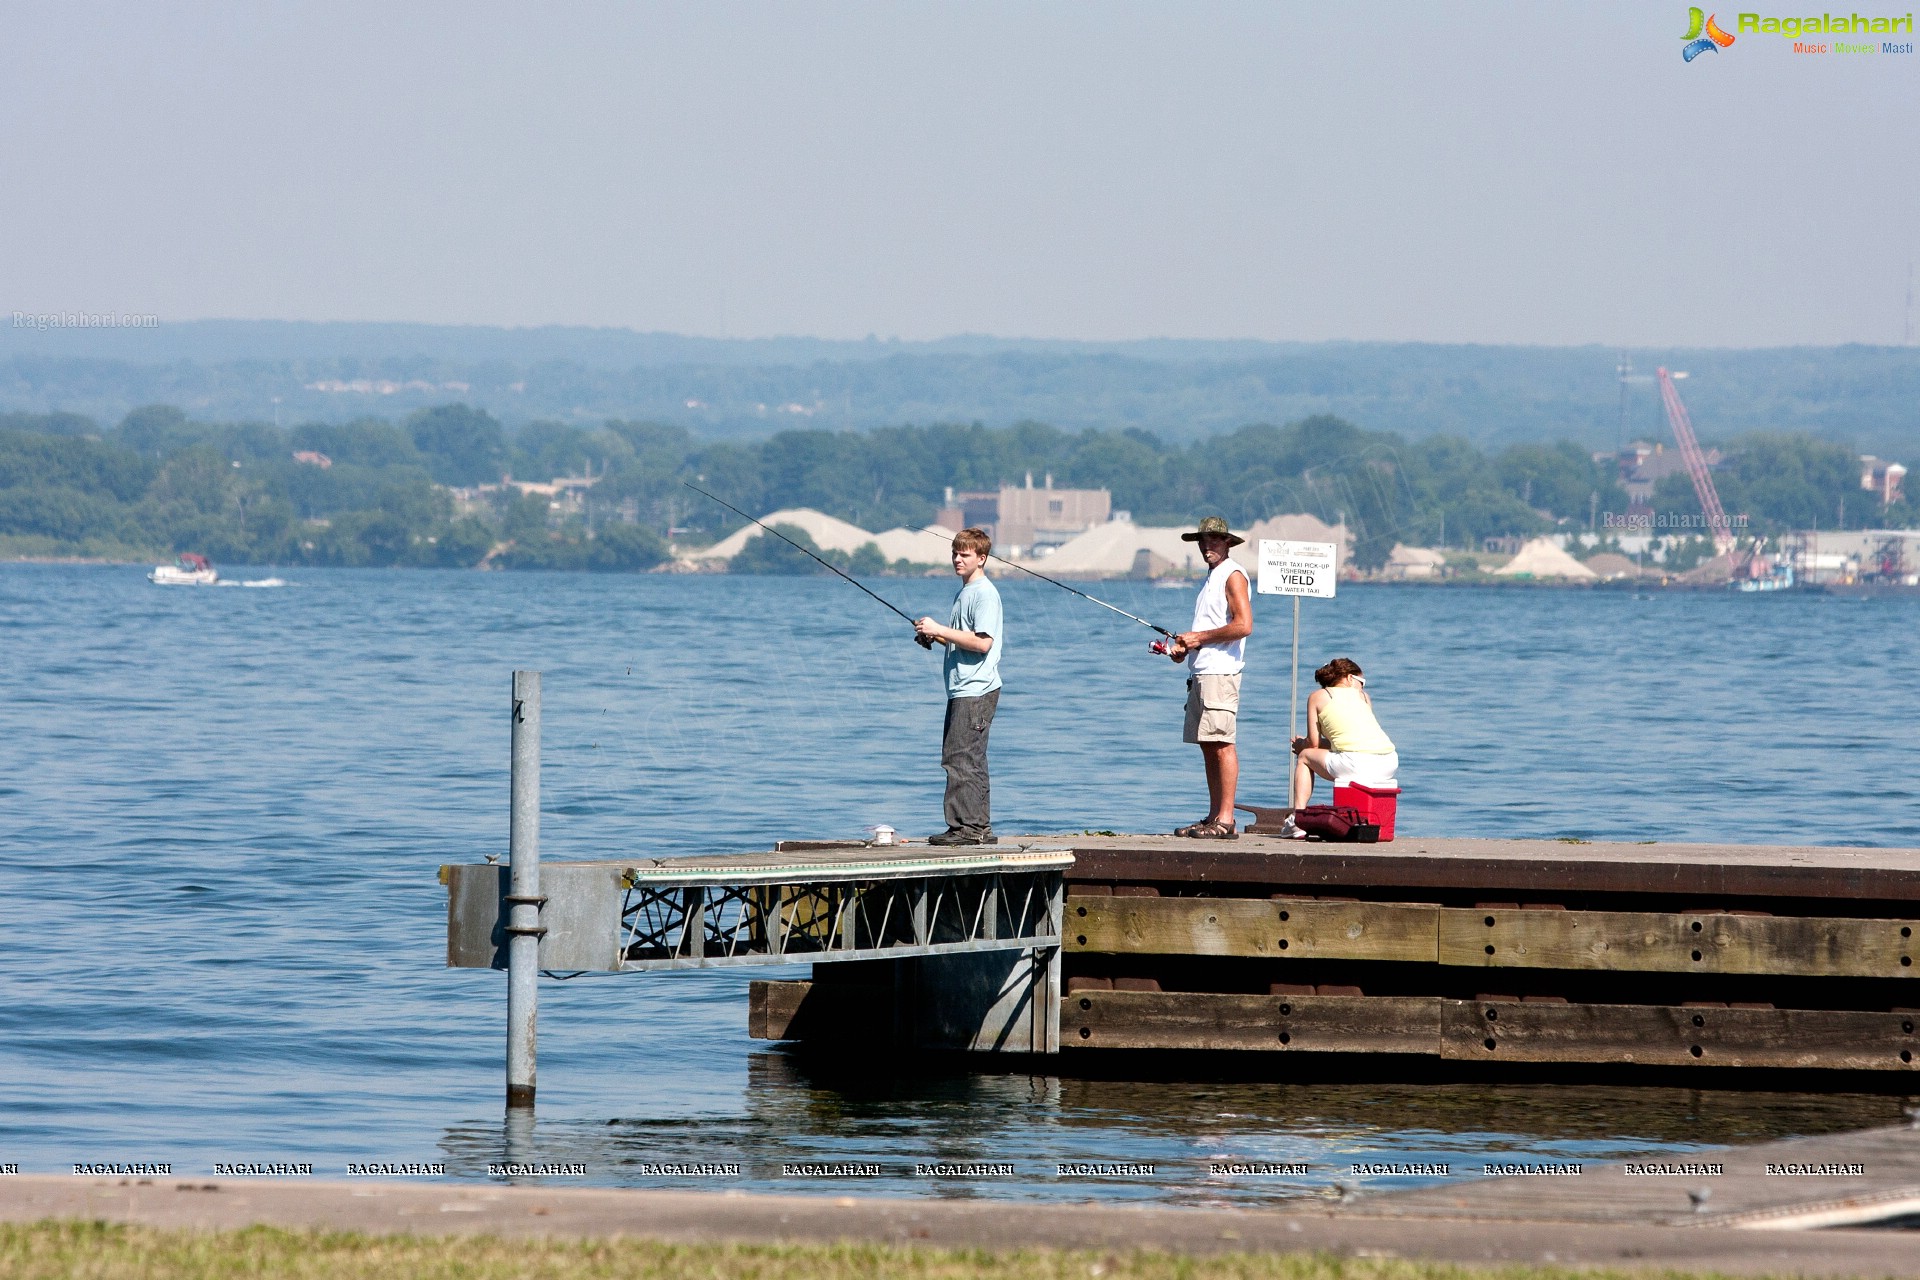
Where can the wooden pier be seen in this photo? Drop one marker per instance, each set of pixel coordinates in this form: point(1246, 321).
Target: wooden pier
point(1455, 956)
point(1479, 954)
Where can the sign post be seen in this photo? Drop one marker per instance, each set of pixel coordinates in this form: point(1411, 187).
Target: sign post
point(1296, 569)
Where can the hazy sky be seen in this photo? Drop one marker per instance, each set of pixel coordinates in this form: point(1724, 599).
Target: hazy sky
point(1537, 173)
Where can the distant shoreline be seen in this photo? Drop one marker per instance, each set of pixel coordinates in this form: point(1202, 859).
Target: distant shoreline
point(1448, 584)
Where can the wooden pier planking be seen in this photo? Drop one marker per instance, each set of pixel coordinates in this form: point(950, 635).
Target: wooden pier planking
point(1466, 1030)
point(1482, 938)
point(1179, 1020)
point(1536, 867)
point(1685, 1036)
point(1701, 942)
point(1419, 1026)
point(1638, 955)
point(1252, 927)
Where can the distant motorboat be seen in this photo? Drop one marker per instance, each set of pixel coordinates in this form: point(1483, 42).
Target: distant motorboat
point(1780, 578)
point(1174, 584)
point(191, 570)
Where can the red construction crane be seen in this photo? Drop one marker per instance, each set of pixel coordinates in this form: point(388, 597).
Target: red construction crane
point(1696, 465)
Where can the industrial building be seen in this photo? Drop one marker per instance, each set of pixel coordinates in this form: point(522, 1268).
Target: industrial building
point(1024, 520)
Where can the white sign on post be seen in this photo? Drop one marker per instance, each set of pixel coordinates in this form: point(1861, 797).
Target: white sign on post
point(1296, 568)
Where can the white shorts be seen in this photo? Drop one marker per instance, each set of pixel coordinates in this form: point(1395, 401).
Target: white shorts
point(1370, 770)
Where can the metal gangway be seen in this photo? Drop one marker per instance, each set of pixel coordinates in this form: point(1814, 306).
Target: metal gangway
point(981, 924)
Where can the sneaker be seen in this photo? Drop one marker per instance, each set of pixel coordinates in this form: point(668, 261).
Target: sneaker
point(952, 837)
point(1288, 831)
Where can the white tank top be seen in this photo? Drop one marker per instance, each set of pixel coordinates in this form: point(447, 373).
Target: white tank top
point(1210, 612)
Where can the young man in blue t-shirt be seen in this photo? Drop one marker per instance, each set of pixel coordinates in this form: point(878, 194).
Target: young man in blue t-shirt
point(972, 636)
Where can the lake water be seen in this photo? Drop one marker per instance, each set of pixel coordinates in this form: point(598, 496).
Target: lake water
point(224, 810)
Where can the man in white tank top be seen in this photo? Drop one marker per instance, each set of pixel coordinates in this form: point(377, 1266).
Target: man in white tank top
point(1215, 654)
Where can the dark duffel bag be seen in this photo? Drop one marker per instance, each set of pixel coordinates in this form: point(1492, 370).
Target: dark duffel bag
point(1337, 823)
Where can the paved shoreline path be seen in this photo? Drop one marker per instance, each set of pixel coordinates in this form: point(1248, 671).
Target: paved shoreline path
point(1756, 1222)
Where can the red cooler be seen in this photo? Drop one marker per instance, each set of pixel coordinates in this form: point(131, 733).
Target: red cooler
point(1376, 804)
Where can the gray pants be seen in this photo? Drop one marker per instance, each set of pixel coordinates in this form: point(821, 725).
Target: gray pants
point(963, 754)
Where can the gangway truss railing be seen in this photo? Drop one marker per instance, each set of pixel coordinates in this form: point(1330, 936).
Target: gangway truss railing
point(902, 907)
point(816, 903)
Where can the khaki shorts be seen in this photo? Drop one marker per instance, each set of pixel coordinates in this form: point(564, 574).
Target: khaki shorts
point(1213, 705)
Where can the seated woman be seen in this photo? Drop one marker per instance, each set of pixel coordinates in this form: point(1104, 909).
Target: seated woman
point(1344, 742)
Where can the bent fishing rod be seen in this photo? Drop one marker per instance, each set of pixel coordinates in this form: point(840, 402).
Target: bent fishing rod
point(1083, 595)
point(796, 546)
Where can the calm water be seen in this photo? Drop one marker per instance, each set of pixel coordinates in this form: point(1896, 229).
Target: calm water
point(223, 812)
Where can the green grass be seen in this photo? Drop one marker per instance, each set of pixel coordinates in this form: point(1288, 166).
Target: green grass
point(98, 1251)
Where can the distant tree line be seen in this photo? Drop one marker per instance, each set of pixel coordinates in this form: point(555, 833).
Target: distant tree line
point(1439, 490)
point(161, 482)
point(742, 389)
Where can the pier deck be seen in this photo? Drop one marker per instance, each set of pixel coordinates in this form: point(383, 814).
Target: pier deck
point(1507, 952)
point(1480, 865)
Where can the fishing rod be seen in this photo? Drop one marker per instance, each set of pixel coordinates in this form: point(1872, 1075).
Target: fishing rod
point(1083, 595)
point(796, 546)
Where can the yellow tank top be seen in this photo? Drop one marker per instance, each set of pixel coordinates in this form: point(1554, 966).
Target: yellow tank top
point(1347, 724)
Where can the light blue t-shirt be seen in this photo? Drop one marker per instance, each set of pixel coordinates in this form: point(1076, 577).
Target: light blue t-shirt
point(975, 608)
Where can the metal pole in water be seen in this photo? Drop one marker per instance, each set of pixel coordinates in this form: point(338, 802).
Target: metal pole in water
point(524, 899)
point(1293, 712)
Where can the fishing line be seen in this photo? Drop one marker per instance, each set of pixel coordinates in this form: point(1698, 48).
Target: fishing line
point(802, 550)
point(1064, 587)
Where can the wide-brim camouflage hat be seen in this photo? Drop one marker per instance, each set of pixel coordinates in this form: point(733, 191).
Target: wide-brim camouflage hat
point(1213, 524)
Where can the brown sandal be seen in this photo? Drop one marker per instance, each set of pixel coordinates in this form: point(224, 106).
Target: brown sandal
point(1214, 831)
point(1191, 827)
